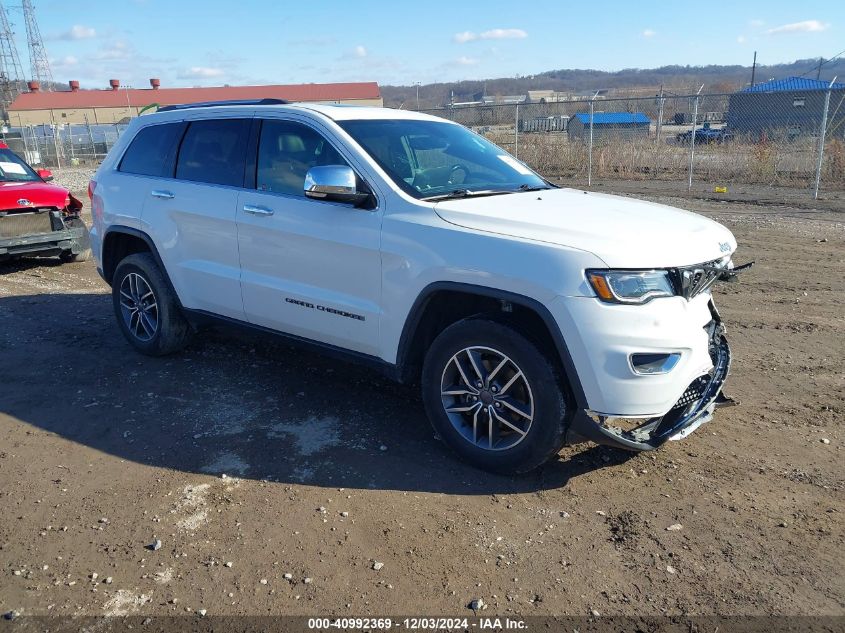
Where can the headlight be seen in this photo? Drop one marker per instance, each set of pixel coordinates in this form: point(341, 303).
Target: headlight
point(630, 286)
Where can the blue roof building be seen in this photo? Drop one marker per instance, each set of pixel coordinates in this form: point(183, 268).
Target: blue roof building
point(792, 84)
point(609, 124)
point(786, 108)
point(613, 118)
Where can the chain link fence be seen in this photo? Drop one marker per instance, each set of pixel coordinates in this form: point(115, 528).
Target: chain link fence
point(793, 139)
point(63, 145)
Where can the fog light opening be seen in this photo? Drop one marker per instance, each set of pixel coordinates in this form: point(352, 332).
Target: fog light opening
point(650, 364)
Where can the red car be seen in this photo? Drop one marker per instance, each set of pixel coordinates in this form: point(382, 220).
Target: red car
point(36, 217)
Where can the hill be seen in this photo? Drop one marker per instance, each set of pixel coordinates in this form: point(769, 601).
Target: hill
point(675, 79)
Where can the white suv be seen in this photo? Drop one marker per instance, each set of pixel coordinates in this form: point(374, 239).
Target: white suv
point(531, 315)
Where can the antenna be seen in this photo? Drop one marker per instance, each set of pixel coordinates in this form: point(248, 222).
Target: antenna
point(39, 63)
point(11, 71)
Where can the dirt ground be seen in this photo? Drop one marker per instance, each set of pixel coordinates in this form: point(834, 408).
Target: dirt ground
point(330, 469)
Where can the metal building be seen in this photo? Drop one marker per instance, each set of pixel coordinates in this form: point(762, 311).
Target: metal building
point(786, 108)
point(118, 103)
point(606, 125)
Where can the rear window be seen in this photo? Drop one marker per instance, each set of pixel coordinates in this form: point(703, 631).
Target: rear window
point(214, 151)
point(150, 149)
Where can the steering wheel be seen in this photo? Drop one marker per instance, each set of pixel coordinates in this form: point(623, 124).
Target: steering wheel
point(453, 174)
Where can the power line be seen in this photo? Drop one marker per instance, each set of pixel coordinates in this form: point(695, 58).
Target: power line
point(11, 71)
point(818, 67)
point(38, 60)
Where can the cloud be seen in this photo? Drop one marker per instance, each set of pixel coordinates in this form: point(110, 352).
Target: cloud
point(741, 39)
point(201, 72)
point(117, 50)
point(649, 33)
point(492, 34)
point(756, 23)
point(807, 26)
point(64, 62)
point(360, 51)
point(504, 34)
point(76, 32)
point(466, 61)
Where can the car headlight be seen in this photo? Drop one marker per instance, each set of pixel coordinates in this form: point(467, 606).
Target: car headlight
point(630, 286)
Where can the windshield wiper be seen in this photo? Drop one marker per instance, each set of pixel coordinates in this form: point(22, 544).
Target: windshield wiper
point(467, 193)
point(532, 187)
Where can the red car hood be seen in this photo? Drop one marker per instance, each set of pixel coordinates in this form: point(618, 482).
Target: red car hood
point(39, 194)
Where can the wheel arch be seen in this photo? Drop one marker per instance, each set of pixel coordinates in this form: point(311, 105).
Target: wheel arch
point(442, 303)
point(121, 241)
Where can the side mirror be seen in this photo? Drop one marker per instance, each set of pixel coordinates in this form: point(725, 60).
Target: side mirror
point(335, 183)
point(45, 174)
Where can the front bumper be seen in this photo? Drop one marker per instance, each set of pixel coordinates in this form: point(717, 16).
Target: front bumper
point(693, 408)
point(41, 244)
point(59, 239)
point(624, 407)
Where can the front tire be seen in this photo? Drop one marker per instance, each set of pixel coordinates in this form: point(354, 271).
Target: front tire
point(146, 308)
point(82, 249)
point(494, 398)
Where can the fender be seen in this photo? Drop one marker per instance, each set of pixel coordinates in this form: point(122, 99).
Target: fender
point(417, 309)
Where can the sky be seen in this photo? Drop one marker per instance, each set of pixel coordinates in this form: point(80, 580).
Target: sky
point(213, 42)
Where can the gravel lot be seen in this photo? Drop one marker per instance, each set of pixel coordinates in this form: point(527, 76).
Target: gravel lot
point(337, 498)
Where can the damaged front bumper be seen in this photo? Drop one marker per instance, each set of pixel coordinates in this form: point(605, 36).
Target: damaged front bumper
point(60, 238)
point(693, 408)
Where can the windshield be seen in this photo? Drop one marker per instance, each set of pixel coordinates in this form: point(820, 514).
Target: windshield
point(430, 159)
point(14, 169)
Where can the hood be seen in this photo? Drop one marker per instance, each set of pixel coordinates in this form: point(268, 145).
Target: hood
point(39, 194)
point(623, 232)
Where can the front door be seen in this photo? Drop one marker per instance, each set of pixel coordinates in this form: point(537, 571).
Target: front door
point(308, 268)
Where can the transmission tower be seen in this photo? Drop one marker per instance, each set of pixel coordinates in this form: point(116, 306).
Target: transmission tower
point(11, 71)
point(39, 63)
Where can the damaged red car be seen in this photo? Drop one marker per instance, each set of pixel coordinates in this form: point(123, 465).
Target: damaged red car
point(37, 217)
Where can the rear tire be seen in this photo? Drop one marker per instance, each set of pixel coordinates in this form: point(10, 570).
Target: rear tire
point(146, 308)
point(494, 398)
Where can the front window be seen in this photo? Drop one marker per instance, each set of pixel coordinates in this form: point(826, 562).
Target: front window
point(14, 169)
point(433, 159)
point(286, 151)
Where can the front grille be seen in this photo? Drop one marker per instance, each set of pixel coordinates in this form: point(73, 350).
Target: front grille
point(21, 224)
point(691, 281)
point(693, 392)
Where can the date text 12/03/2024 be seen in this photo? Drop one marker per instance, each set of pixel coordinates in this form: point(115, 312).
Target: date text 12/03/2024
point(420, 623)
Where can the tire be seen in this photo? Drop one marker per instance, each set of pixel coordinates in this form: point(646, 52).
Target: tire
point(527, 391)
point(139, 288)
point(82, 252)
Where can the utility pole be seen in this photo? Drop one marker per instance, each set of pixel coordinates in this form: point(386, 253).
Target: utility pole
point(819, 70)
point(821, 140)
point(753, 69)
point(418, 96)
point(11, 71)
point(39, 63)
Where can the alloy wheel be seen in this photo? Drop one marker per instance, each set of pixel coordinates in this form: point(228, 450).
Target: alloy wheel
point(139, 307)
point(487, 398)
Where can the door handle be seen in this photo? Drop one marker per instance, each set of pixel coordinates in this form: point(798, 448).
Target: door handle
point(161, 193)
point(257, 210)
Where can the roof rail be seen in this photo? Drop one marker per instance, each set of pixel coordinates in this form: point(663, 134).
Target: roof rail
point(211, 104)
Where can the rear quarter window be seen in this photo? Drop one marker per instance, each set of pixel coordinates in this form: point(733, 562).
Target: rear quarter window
point(150, 150)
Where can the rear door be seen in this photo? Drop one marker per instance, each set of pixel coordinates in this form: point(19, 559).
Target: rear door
point(192, 215)
point(310, 268)
point(146, 163)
